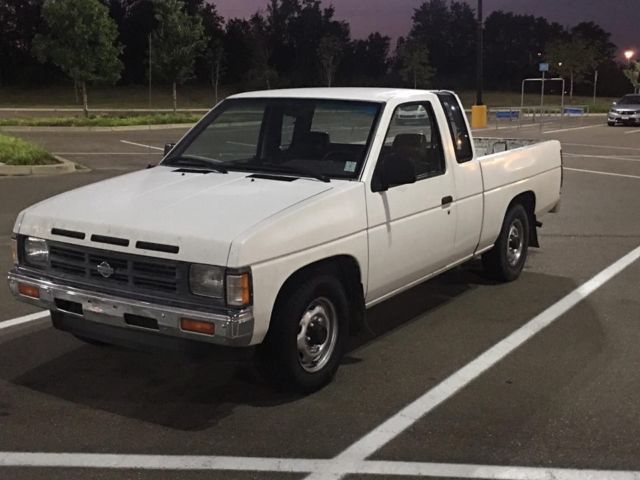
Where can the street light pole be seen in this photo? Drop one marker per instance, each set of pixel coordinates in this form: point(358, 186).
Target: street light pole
point(479, 116)
point(149, 70)
point(479, 55)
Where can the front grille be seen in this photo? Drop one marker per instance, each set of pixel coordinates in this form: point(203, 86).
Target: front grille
point(118, 270)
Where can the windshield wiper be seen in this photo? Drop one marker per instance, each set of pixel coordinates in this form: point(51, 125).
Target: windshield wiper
point(195, 162)
point(298, 172)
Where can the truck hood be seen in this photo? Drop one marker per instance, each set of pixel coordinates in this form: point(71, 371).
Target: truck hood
point(199, 213)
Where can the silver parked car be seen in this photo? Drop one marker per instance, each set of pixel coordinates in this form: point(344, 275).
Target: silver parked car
point(625, 111)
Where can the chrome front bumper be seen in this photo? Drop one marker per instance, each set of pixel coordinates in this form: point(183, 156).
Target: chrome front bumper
point(231, 328)
point(618, 117)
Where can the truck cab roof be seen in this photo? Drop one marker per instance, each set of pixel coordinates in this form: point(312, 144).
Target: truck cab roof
point(370, 94)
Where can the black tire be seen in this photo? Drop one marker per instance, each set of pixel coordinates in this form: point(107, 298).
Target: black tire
point(278, 357)
point(611, 124)
point(502, 262)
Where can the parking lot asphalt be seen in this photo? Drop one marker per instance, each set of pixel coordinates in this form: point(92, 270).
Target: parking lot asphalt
point(565, 399)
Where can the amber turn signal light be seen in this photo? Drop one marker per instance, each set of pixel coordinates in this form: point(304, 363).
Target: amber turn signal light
point(197, 326)
point(28, 290)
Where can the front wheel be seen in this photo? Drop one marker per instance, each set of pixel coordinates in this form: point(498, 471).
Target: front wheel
point(505, 261)
point(307, 335)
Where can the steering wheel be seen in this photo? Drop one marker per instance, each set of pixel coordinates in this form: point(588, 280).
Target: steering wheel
point(339, 156)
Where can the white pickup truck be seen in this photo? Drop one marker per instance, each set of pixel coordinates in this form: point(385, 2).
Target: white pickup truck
point(278, 219)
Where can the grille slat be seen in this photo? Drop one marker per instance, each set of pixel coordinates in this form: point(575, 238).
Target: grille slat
point(67, 268)
point(144, 273)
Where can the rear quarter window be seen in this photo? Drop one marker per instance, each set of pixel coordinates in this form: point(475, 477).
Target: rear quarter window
point(457, 127)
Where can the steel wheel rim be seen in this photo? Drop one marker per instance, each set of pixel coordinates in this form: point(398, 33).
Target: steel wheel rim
point(515, 242)
point(317, 334)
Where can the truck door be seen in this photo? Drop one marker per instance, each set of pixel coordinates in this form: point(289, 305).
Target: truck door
point(468, 177)
point(411, 228)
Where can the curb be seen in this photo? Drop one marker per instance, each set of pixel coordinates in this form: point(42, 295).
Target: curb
point(131, 128)
point(65, 166)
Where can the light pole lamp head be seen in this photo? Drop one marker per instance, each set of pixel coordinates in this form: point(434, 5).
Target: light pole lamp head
point(628, 54)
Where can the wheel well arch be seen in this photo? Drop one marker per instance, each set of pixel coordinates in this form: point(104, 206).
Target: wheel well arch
point(347, 269)
point(528, 201)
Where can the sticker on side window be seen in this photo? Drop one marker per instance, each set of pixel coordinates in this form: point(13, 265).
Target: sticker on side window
point(350, 166)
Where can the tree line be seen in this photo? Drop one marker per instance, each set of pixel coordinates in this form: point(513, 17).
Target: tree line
point(288, 43)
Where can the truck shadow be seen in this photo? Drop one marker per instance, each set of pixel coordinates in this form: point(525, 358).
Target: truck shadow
point(172, 391)
point(402, 309)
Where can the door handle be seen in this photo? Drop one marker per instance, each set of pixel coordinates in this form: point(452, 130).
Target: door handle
point(446, 201)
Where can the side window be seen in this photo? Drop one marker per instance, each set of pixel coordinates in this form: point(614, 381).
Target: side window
point(457, 127)
point(413, 133)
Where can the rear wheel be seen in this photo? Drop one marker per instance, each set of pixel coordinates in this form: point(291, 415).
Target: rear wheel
point(307, 335)
point(505, 261)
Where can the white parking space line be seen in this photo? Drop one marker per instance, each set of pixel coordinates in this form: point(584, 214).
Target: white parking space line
point(606, 157)
point(25, 319)
point(631, 131)
point(323, 468)
point(506, 127)
point(157, 462)
point(572, 128)
point(142, 145)
point(448, 470)
point(242, 144)
point(409, 415)
point(600, 146)
point(602, 173)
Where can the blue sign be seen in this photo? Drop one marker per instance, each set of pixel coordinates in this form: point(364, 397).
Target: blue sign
point(544, 67)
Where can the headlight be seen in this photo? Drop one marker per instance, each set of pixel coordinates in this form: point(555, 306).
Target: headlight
point(210, 281)
point(239, 289)
point(207, 281)
point(36, 252)
point(14, 250)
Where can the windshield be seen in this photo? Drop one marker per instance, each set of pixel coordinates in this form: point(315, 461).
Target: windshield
point(318, 138)
point(630, 100)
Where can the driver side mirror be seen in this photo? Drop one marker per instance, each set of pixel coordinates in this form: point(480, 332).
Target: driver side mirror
point(168, 147)
point(394, 170)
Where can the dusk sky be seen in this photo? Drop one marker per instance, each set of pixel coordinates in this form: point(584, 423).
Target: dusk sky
point(393, 17)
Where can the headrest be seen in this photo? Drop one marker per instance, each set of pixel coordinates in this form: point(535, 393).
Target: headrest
point(409, 140)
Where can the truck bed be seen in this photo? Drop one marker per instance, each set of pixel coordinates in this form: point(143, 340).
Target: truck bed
point(488, 145)
point(512, 166)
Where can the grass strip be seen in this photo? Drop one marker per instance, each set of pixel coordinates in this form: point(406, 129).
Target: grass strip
point(15, 151)
point(100, 120)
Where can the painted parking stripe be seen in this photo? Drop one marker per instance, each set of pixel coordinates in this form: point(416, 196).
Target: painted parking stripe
point(323, 468)
point(605, 157)
point(506, 127)
point(631, 131)
point(599, 146)
point(572, 128)
point(142, 145)
point(409, 415)
point(597, 172)
point(25, 319)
